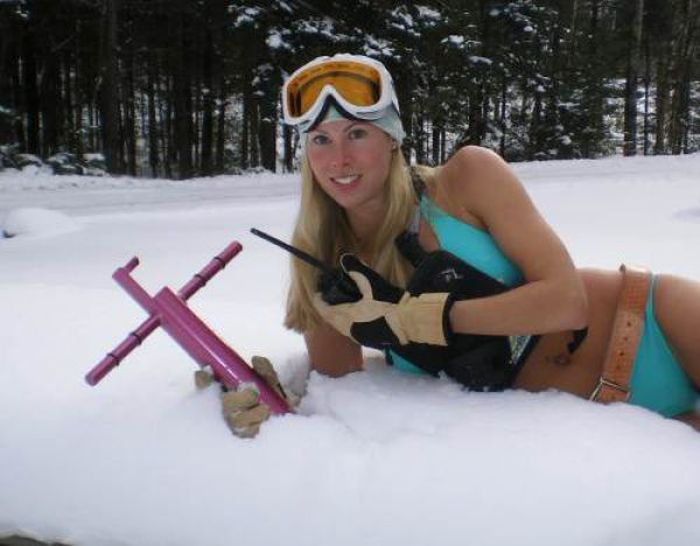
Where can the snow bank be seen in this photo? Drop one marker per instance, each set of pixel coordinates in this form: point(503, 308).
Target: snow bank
point(36, 221)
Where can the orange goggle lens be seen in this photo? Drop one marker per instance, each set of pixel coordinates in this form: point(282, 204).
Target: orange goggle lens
point(357, 83)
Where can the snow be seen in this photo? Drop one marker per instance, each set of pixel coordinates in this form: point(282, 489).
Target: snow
point(275, 41)
point(476, 59)
point(377, 457)
point(427, 13)
point(37, 221)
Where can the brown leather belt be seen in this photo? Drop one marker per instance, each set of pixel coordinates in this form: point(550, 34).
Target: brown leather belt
point(613, 385)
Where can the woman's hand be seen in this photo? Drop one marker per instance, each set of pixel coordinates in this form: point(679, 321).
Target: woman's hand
point(442, 271)
point(242, 409)
point(384, 315)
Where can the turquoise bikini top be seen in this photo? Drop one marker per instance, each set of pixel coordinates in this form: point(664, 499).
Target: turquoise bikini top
point(470, 244)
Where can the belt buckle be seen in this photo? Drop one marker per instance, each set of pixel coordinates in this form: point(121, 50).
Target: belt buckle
point(603, 382)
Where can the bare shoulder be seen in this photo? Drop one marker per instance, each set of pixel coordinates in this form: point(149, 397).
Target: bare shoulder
point(474, 178)
point(474, 154)
point(474, 166)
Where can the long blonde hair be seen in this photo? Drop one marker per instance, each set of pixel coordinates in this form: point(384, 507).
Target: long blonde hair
point(322, 230)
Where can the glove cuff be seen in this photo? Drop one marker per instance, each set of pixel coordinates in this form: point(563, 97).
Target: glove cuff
point(425, 318)
point(446, 324)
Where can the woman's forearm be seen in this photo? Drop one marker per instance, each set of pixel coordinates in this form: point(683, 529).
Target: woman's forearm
point(537, 307)
point(331, 353)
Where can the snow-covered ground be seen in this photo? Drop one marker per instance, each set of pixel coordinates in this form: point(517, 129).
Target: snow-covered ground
point(374, 458)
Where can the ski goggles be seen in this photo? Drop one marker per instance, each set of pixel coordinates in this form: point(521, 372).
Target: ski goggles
point(357, 86)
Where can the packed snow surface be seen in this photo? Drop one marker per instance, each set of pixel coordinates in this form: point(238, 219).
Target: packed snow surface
point(373, 458)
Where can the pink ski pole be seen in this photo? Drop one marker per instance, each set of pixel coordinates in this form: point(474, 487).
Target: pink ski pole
point(169, 310)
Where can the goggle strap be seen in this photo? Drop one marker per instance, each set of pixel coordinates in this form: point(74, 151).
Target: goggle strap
point(327, 103)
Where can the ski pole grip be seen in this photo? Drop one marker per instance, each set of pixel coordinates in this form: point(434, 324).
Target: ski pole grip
point(217, 263)
point(131, 264)
point(112, 359)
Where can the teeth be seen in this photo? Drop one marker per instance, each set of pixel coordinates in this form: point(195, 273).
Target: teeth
point(347, 179)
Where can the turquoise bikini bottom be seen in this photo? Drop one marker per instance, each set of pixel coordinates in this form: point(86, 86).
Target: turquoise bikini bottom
point(658, 381)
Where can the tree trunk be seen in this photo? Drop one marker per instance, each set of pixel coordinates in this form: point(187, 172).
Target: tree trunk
point(443, 146)
point(535, 136)
point(92, 135)
point(18, 94)
point(502, 121)
point(129, 128)
point(208, 104)
point(195, 126)
point(630, 142)
point(31, 91)
point(679, 111)
point(420, 137)
point(221, 125)
point(246, 122)
point(50, 105)
point(682, 67)
point(476, 121)
point(170, 152)
point(477, 92)
point(574, 29)
point(253, 134)
point(593, 93)
point(181, 85)
point(647, 85)
point(68, 104)
point(109, 88)
point(153, 155)
point(435, 137)
point(268, 123)
point(405, 88)
point(79, 98)
point(662, 91)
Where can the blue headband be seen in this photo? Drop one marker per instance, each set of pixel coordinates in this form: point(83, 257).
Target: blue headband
point(389, 122)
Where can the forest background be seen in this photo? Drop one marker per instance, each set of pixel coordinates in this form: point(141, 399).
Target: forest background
point(184, 88)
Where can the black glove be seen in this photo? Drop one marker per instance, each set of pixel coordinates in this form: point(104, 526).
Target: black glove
point(442, 271)
point(477, 361)
point(384, 315)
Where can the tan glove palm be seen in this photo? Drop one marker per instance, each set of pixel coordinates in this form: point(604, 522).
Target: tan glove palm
point(385, 315)
point(242, 409)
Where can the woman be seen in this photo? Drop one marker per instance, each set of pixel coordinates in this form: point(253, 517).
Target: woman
point(514, 312)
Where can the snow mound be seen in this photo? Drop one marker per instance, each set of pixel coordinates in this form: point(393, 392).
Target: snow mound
point(37, 221)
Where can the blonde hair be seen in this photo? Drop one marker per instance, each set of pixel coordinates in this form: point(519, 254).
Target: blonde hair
point(322, 230)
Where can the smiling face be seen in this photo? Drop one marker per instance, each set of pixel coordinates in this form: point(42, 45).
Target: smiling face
point(350, 160)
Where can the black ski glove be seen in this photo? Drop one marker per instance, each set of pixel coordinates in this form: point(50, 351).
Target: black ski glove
point(442, 271)
point(383, 315)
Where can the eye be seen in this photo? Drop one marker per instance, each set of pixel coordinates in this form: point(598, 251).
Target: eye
point(320, 139)
point(357, 132)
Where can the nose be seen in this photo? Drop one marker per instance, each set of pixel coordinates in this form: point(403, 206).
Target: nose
point(339, 155)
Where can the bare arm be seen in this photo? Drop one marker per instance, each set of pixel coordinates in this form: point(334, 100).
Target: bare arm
point(331, 353)
point(553, 297)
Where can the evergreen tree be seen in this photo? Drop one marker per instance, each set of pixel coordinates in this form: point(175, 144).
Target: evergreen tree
point(192, 87)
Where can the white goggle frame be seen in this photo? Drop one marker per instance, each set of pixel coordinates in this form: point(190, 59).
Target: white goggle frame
point(329, 94)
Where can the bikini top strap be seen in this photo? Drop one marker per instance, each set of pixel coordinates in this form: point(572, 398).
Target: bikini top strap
point(419, 189)
point(417, 181)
